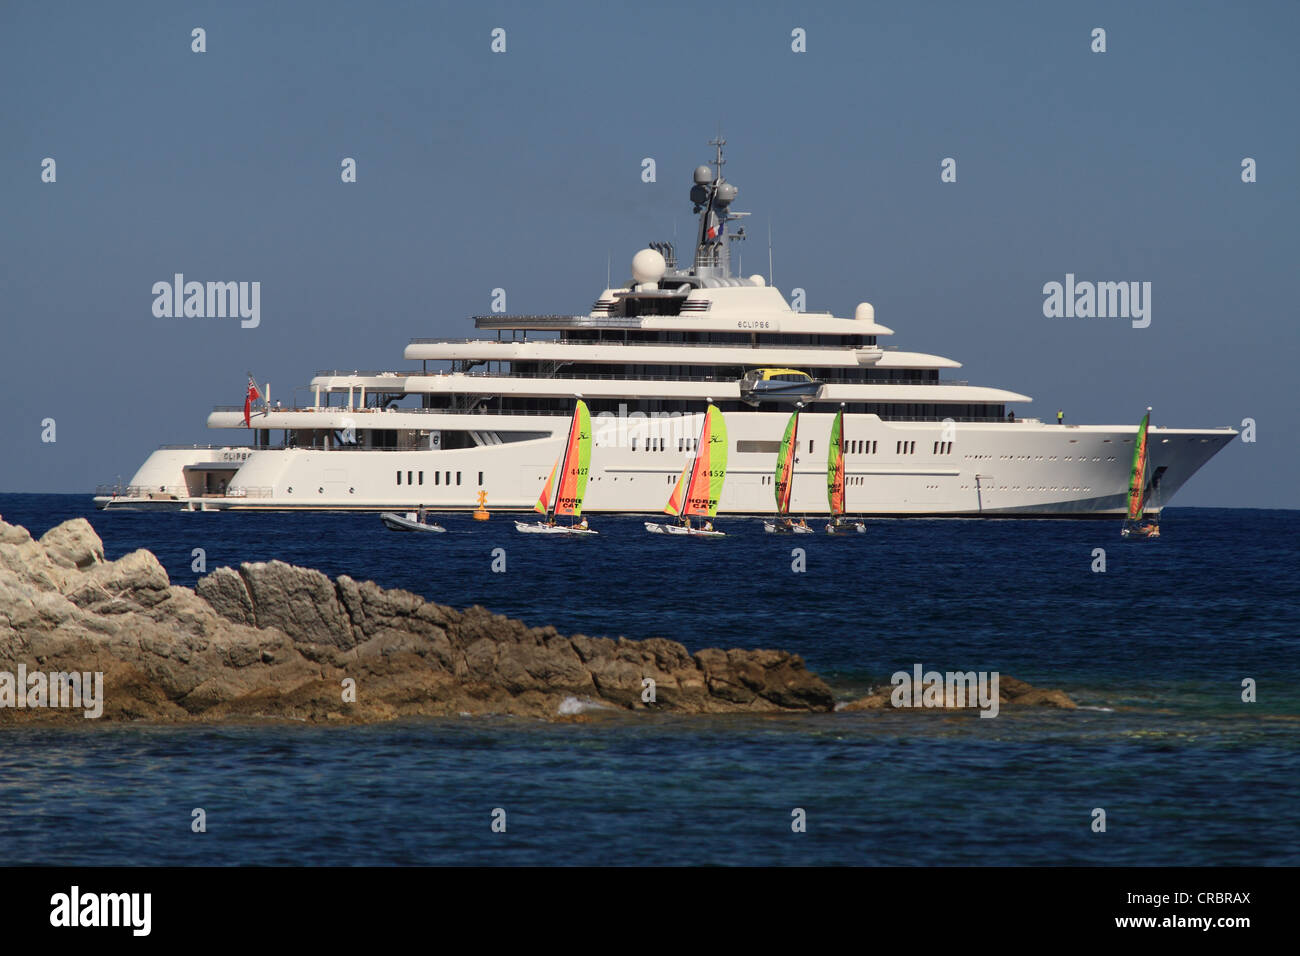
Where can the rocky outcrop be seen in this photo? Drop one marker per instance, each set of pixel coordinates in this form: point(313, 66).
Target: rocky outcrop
point(270, 640)
point(273, 640)
point(1010, 691)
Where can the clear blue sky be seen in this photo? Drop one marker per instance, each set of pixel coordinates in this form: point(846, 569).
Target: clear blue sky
point(522, 171)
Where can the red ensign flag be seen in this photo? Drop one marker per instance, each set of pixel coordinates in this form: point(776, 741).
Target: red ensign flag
point(252, 396)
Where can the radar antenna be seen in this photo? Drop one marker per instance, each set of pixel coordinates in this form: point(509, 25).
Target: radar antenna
point(712, 196)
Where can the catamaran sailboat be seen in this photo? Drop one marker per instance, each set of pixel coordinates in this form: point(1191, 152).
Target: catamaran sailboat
point(783, 481)
point(1136, 523)
point(835, 480)
point(699, 487)
point(573, 467)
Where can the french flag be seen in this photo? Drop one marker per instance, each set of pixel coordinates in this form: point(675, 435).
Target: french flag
point(715, 230)
point(252, 396)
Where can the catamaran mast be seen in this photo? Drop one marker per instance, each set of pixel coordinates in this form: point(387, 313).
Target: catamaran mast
point(564, 466)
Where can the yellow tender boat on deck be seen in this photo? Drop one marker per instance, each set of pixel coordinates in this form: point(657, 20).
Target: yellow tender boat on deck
point(778, 385)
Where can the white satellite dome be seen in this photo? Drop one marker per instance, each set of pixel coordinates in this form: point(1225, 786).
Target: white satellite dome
point(648, 266)
point(865, 312)
point(757, 279)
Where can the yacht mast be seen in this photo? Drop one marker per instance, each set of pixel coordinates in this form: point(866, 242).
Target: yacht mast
point(712, 196)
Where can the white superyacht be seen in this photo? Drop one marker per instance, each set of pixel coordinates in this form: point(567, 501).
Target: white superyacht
point(481, 421)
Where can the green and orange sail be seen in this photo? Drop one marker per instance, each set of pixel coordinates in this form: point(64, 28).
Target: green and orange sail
point(699, 487)
point(573, 468)
point(784, 478)
point(835, 466)
point(1138, 475)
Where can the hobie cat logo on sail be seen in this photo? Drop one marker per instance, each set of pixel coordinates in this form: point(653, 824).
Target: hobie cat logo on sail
point(1100, 300)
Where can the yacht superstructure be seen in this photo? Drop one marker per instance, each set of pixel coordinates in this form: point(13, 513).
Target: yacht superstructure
point(489, 415)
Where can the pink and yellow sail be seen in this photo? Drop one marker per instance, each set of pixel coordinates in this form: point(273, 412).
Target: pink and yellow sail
point(784, 478)
point(544, 502)
point(674, 506)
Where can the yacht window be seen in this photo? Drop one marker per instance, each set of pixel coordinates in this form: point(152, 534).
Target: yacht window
point(436, 476)
point(408, 478)
point(480, 478)
point(458, 477)
point(399, 477)
point(421, 476)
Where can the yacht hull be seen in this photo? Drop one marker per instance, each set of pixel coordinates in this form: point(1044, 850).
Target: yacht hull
point(1023, 469)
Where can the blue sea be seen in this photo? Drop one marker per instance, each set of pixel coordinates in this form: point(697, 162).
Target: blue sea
point(1155, 649)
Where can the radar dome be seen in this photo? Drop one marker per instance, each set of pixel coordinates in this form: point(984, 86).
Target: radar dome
point(726, 193)
point(648, 266)
point(757, 279)
point(865, 312)
point(703, 175)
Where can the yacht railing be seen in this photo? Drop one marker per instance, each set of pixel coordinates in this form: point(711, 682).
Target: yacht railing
point(504, 322)
point(253, 419)
point(142, 491)
point(606, 376)
point(250, 491)
point(675, 345)
point(366, 373)
point(483, 412)
point(208, 447)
